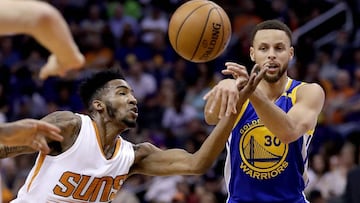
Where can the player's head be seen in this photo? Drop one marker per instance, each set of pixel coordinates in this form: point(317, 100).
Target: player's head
point(271, 47)
point(108, 94)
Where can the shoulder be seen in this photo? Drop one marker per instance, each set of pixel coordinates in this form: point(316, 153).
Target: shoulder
point(61, 117)
point(311, 93)
point(310, 89)
point(70, 125)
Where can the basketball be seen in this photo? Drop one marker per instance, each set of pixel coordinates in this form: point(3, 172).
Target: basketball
point(199, 30)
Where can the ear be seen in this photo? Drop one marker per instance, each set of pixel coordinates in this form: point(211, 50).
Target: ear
point(291, 53)
point(252, 55)
point(98, 105)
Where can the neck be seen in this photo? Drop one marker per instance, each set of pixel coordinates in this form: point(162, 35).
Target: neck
point(276, 89)
point(108, 133)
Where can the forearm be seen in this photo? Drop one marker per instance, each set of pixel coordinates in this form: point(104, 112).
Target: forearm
point(215, 143)
point(274, 118)
point(6, 151)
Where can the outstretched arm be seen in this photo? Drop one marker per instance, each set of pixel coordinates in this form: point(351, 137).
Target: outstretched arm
point(43, 22)
point(301, 118)
point(150, 160)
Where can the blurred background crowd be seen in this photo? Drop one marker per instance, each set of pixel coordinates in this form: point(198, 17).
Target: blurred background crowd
point(132, 35)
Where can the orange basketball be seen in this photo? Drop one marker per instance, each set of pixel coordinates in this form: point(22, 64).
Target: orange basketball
point(199, 30)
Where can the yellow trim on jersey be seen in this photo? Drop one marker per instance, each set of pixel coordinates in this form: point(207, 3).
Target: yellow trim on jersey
point(117, 147)
point(288, 85)
point(243, 108)
point(294, 91)
point(37, 169)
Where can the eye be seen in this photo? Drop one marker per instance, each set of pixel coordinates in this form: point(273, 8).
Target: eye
point(262, 48)
point(122, 93)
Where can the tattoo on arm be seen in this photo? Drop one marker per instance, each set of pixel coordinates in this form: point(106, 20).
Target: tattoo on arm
point(6, 151)
point(69, 124)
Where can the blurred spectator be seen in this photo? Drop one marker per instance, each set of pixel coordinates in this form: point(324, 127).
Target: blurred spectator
point(133, 8)
point(332, 184)
point(130, 50)
point(178, 116)
point(162, 189)
point(98, 56)
point(316, 170)
point(352, 194)
point(142, 83)
point(328, 69)
point(8, 55)
point(155, 21)
point(151, 113)
point(341, 92)
point(93, 23)
point(120, 23)
point(316, 197)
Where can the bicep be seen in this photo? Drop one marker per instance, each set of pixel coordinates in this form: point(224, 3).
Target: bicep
point(304, 114)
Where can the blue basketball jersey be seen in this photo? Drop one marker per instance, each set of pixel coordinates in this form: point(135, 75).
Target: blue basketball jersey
point(259, 168)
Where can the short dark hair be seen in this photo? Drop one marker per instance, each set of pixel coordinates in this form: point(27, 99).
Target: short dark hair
point(272, 25)
point(92, 86)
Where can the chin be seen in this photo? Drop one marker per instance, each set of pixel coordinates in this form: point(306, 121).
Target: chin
point(271, 79)
point(129, 123)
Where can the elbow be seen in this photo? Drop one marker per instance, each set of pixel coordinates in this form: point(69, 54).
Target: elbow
point(211, 120)
point(288, 138)
point(285, 139)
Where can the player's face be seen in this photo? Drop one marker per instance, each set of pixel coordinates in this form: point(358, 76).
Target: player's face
point(272, 48)
point(121, 104)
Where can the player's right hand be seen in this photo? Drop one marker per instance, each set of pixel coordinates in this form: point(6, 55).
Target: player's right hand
point(222, 100)
point(30, 132)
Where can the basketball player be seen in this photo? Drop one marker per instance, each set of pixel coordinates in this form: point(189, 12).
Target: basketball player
point(267, 149)
point(93, 161)
point(43, 22)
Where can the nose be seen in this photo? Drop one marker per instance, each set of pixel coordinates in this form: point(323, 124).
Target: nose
point(271, 54)
point(133, 100)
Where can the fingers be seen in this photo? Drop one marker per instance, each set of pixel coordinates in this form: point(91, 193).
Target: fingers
point(236, 70)
point(223, 107)
point(207, 95)
point(48, 130)
point(40, 144)
point(233, 98)
point(241, 82)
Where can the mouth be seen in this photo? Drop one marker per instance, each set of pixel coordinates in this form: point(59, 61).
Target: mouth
point(134, 110)
point(272, 66)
